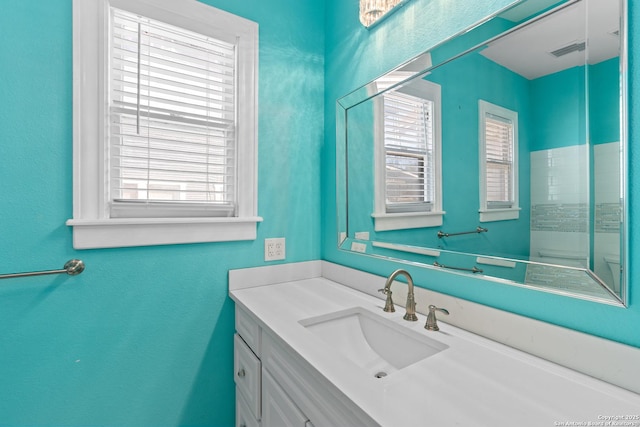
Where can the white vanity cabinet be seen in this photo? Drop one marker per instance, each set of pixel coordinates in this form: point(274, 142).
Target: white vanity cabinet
point(260, 400)
point(306, 377)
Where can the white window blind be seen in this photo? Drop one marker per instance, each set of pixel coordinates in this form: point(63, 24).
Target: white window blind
point(172, 118)
point(499, 152)
point(409, 153)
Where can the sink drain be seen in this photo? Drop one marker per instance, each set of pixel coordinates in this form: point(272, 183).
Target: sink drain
point(380, 375)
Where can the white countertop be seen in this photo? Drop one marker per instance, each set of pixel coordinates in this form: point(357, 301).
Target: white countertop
point(473, 382)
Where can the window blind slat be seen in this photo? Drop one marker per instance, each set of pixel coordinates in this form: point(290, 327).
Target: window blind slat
point(167, 65)
point(172, 176)
point(213, 145)
point(172, 164)
point(122, 82)
point(127, 71)
point(157, 103)
point(169, 116)
point(166, 93)
point(149, 182)
point(170, 151)
point(125, 41)
point(161, 126)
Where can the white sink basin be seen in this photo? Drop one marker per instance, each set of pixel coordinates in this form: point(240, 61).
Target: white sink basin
point(378, 345)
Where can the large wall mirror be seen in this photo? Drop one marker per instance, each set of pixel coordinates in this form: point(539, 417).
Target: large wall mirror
point(498, 153)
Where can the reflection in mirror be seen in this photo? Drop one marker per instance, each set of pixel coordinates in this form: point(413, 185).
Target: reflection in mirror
point(498, 152)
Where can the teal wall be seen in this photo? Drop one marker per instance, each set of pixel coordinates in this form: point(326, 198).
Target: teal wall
point(604, 111)
point(144, 336)
point(559, 101)
point(355, 55)
point(559, 109)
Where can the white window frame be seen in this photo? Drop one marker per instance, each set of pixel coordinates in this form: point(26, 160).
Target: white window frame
point(487, 213)
point(384, 221)
point(93, 227)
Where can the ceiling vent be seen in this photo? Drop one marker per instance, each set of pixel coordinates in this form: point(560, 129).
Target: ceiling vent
point(573, 47)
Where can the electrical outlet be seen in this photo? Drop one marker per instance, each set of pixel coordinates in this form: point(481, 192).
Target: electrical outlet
point(274, 249)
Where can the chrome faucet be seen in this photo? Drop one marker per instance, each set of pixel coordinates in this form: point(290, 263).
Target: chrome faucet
point(411, 302)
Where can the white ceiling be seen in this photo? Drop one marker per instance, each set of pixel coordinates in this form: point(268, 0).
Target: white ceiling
point(527, 51)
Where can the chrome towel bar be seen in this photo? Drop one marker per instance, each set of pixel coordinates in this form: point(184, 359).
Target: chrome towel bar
point(473, 270)
point(72, 267)
point(478, 229)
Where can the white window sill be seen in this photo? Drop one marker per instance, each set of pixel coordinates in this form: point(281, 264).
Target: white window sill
point(499, 214)
point(406, 220)
point(121, 232)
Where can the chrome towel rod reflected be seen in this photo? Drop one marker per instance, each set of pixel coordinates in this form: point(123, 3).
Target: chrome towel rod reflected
point(473, 270)
point(72, 267)
point(479, 229)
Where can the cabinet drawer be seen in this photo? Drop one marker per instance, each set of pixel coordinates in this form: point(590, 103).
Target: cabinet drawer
point(244, 417)
point(247, 374)
point(248, 329)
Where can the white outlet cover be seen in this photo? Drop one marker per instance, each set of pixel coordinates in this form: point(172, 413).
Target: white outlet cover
point(274, 249)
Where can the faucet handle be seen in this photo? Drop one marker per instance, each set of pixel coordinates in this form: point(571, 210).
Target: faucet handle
point(432, 321)
point(388, 305)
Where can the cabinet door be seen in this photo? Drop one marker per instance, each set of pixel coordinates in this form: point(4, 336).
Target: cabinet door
point(247, 375)
point(277, 409)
